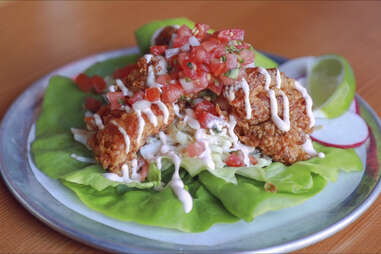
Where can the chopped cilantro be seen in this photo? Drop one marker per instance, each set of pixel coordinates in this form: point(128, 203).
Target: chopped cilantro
point(232, 73)
point(231, 49)
point(215, 129)
point(121, 101)
point(222, 59)
point(190, 65)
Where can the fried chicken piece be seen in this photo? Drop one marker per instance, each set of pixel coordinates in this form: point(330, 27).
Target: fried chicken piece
point(137, 79)
point(260, 130)
point(109, 143)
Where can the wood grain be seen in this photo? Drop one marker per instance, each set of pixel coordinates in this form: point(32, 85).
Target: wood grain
point(37, 37)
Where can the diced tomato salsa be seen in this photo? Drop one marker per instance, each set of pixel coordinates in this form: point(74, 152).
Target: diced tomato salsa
point(209, 60)
point(116, 100)
point(202, 60)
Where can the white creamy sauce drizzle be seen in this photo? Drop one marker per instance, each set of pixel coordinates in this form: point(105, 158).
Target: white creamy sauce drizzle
point(134, 171)
point(308, 148)
point(246, 90)
point(161, 66)
point(81, 136)
point(141, 124)
point(123, 88)
point(278, 79)
point(114, 177)
point(308, 100)
point(135, 177)
point(177, 184)
point(98, 121)
point(230, 95)
point(151, 81)
point(190, 119)
point(177, 110)
point(282, 124)
point(82, 159)
point(148, 58)
point(144, 106)
point(163, 108)
point(237, 145)
point(125, 135)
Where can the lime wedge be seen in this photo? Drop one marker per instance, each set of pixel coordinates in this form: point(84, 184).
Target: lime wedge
point(332, 86)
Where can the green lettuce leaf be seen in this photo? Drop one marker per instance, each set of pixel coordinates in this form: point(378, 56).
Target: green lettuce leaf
point(93, 176)
point(154, 208)
point(248, 198)
point(108, 67)
point(296, 178)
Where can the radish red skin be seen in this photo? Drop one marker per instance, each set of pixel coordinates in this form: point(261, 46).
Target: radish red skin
point(341, 146)
point(346, 131)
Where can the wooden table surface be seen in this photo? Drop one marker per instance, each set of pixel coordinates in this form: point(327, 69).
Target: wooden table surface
point(37, 37)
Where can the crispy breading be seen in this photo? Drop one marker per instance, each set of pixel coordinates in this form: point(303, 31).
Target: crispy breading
point(137, 79)
point(108, 143)
point(260, 131)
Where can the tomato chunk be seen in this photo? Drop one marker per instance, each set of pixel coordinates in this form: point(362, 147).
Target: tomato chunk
point(152, 94)
point(158, 50)
point(182, 36)
point(215, 86)
point(163, 79)
point(231, 34)
point(171, 93)
point(246, 56)
point(235, 160)
point(205, 119)
point(124, 72)
point(116, 100)
point(83, 82)
point(98, 84)
point(253, 160)
point(200, 31)
point(206, 106)
point(92, 104)
point(136, 97)
point(195, 149)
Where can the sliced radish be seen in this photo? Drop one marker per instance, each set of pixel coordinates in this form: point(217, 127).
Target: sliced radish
point(346, 131)
point(354, 108)
point(297, 68)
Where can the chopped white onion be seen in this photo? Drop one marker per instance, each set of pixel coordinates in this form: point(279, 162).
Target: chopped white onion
point(187, 85)
point(193, 41)
point(171, 52)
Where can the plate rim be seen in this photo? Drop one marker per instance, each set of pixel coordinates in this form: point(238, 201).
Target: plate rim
point(285, 247)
